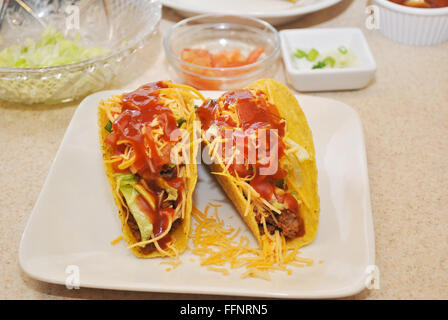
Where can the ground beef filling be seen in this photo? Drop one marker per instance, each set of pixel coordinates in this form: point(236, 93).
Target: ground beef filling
point(288, 223)
point(168, 172)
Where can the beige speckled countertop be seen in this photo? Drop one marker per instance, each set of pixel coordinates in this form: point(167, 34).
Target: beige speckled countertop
point(404, 112)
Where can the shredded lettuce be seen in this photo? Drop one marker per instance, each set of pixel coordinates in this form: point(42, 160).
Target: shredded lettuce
point(127, 187)
point(172, 192)
point(278, 205)
point(52, 49)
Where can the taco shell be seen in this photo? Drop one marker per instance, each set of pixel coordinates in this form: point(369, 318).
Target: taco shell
point(298, 130)
point(181, 231)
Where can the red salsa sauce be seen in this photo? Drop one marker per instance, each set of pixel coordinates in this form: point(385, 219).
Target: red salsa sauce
point(132, 127)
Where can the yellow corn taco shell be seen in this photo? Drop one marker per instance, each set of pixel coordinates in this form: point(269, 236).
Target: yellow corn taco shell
point(298, 130)
point(180, 233)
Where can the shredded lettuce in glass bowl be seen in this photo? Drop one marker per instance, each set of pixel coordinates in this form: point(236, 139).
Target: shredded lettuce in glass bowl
point(52, 49)
point(68, 49)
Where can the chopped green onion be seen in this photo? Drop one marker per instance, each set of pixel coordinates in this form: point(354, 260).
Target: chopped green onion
point(312, 55)
point(336, 58)
point(196, 108)
point(295, 194)
point(343, 50)
point(108, 126)
point(329, 61)
point(319, 65)
point(180, 122)
point(300, 54)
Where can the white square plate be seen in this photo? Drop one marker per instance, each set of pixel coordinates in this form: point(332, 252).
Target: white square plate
point(75, 219)
point(324, 40)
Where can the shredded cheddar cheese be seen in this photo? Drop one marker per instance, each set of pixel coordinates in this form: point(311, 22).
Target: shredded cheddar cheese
point(115, 241)
point(174, 262)
point(218, 249)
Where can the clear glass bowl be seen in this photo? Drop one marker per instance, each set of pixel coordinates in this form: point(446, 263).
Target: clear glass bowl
point(216, 33)
point(121, 26)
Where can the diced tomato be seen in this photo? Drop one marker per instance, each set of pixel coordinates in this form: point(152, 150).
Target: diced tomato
point(177, 183)
point(254, 55)
point(199, 57)
point(227, 59)
point(223, 59)
point(111, 139)
point(280, 174)
point(264, 186)
point(241, 170)
point(220, 60)
point(291, 202)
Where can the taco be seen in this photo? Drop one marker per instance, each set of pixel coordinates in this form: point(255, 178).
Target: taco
point(148, 148)
point(262, 153)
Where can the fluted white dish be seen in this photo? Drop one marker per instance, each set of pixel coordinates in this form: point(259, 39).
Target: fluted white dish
point(412, 26)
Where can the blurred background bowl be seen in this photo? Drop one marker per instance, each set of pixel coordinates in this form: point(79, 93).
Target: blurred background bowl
point(413, 26)
point(216, 33)
point(120, 26)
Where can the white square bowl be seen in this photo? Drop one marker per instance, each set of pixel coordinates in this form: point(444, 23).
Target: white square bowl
point(323, 40)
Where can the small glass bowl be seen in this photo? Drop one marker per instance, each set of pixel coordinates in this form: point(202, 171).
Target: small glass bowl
point(215, 33)
point(120, 26)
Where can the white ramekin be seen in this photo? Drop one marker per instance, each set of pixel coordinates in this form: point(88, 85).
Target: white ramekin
point(413, 26)
point(324, 39)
